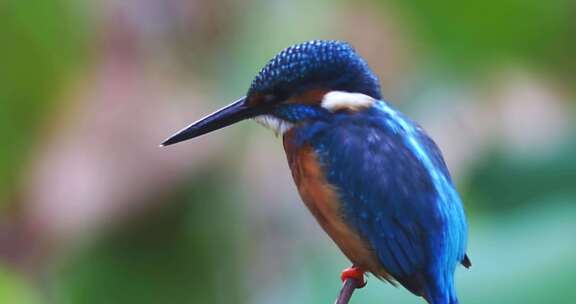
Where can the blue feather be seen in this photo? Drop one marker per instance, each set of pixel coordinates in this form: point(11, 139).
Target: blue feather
point(396, 192)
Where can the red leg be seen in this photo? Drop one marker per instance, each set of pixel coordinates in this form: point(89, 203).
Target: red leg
point(354, 273)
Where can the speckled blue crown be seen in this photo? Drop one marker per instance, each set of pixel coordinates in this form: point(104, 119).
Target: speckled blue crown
point(317, 64)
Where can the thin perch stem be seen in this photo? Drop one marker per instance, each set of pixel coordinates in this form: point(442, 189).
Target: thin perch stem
point(346, 291)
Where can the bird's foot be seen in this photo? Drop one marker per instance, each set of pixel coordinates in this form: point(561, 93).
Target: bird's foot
point(354, 273)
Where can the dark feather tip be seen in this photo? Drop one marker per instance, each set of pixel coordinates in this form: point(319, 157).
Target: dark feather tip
point(466, 261)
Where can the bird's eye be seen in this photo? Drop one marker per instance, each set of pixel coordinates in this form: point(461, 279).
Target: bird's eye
point(268, 99)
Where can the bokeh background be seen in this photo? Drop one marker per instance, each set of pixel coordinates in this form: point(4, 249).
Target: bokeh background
point(92, 211)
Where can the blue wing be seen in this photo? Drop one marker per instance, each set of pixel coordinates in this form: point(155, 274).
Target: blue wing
point(397, 193)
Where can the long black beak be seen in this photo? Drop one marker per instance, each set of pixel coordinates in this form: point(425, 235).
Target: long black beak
point(226, 116)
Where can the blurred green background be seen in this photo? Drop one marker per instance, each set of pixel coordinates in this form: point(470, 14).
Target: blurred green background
point(91, 211)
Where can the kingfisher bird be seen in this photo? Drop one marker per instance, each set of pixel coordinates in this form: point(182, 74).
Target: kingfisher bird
point(373, 179)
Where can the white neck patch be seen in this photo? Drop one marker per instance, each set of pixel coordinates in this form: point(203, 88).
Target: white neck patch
point(277, 125)
point(338, 100)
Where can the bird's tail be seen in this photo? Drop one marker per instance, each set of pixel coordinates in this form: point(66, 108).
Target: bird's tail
point(441, 296)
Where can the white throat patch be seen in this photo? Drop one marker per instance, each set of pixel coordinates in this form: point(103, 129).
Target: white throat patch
point(338, 100)
point(277, 125)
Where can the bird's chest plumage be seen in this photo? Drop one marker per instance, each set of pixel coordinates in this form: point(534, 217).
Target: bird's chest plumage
point(323, 201)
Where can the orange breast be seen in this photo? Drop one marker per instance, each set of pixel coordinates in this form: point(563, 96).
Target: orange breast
point(322, 201)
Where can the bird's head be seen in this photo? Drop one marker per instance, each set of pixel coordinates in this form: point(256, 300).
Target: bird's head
point(303, 82)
